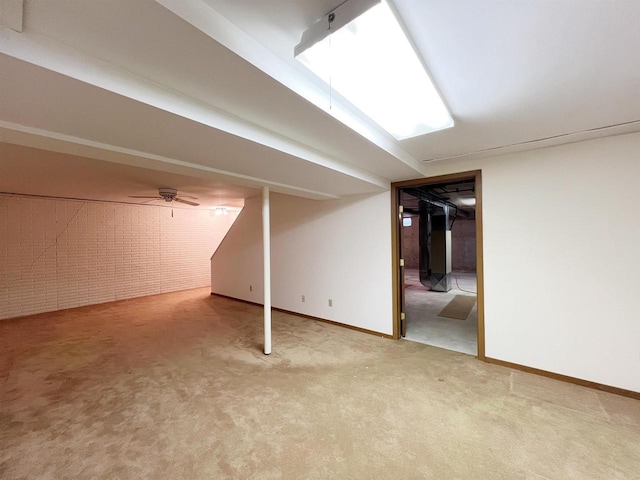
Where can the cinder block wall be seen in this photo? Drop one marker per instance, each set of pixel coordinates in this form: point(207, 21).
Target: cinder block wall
point(411, 243)
point(463, 245)
point(57, 254)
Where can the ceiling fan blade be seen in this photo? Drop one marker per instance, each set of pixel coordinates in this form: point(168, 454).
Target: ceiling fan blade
point(144, 196)
point(188, 196)
point(186, 201)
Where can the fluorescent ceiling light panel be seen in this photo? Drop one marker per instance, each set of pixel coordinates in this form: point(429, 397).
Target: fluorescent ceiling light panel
point(364, 54)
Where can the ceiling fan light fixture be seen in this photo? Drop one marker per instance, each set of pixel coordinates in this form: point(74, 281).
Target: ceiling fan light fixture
point(168, 194)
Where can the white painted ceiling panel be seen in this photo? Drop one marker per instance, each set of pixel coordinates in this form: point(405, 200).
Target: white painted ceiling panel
point(146, 39)
point(52, 102)
point(518, 71)
point(32, 171)
point(512, 73)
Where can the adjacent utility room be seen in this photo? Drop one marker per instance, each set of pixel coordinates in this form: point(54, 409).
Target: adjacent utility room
point(438, 237)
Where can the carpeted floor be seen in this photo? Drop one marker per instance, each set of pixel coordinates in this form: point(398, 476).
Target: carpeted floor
point(175, 386)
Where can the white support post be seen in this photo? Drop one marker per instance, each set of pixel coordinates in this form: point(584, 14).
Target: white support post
point(266, 243)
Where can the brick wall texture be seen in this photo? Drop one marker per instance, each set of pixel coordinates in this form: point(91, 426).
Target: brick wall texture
point(57, 254)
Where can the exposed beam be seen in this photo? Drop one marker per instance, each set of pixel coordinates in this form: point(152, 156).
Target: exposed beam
point(206, 19)
point(45, 53)
point(57, 142)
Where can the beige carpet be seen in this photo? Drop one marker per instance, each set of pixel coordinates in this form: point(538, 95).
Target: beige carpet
point(459, 307)
point(176, 387)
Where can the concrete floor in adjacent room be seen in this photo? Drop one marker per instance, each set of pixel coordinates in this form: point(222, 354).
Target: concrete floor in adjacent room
point(422, 307)
point(175, 386)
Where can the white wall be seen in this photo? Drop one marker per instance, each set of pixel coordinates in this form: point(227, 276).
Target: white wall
point(57, 254)
point(237, 263)
point(339, 250)
point(562, 258)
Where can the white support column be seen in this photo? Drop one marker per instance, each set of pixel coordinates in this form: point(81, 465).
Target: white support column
point(266, 243)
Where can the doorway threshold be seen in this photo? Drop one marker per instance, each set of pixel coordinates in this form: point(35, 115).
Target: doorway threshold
point(423, 306)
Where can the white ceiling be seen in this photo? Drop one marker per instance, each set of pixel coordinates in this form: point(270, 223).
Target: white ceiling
point(208, 89)
point(511, 72)
point(48, 101)
point(28, 170)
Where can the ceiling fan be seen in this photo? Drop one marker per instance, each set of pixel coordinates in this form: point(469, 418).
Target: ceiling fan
point(168, 195)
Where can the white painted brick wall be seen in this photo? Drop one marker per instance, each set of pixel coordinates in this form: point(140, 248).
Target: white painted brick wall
point(57, 254)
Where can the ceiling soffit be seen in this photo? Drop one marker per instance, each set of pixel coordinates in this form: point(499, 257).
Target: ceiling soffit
point(515, 76)
point(74, 65)
point(350, 154)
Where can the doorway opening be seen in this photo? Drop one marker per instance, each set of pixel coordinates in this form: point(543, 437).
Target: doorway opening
point(438, 262)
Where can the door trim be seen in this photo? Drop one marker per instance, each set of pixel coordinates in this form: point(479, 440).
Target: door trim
point(396, 225)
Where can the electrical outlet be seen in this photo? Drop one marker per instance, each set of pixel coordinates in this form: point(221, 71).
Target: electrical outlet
point(251, 288)
point(330, 303)
point(303, 299)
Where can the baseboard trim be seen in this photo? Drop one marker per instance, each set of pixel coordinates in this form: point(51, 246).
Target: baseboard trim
point(249, 302)
point(90, 305)
point(350, 327)
point(515, 366)
point(309, 317)
point(566, 378)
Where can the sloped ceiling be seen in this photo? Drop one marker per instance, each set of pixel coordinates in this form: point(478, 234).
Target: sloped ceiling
point(210, 89)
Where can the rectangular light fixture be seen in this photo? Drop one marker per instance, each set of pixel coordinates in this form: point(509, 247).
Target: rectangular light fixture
point(361, 51)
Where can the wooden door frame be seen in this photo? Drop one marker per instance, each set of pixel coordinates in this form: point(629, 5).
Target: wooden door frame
point(396, 225)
